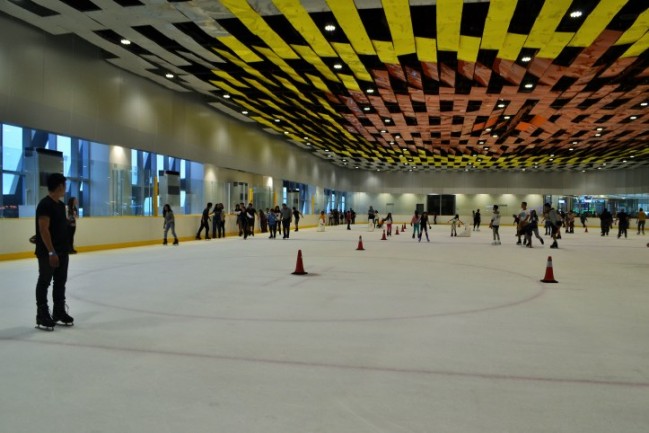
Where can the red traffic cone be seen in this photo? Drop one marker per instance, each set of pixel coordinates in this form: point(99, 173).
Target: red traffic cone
point(384, 238)
point(397, 232)
point(549, 275)
point(360, 244)
point(299, 266)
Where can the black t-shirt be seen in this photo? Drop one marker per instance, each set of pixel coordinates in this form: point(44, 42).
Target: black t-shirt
point(55, 210)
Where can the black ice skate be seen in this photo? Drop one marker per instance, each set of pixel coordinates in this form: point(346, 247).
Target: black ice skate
point(60, 315)
point(44, 320)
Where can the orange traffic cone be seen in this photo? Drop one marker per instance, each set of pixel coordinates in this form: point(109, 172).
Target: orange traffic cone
point(299, 267)
point(384, 238)
point(549, 275)
point(397, 232)
point(360, 244)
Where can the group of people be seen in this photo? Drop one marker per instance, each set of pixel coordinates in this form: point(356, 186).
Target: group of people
point(272, 220)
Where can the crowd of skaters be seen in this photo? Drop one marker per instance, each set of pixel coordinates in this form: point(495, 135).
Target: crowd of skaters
point(527, 222)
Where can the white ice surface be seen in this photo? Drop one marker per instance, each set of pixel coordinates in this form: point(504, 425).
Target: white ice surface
point(455, 335)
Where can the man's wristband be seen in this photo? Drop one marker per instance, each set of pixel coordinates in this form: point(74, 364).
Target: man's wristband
point(52, 253)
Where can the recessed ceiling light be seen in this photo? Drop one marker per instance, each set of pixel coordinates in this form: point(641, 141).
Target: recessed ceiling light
point(495, 135)
point(338, 66)
point(488, 130)
point(226, 96)
point(125, 41)
point(576, 14)
point(529, 85)
point(330, 28)
point(507, 117)
point(308, 144)
point(366, 108)
point(356, 167)
point(571, 149)
point(526, 59)
point(599, 128)
point(306, 138)
point(383, 131)
point(501, 105)
point(598, 135)
point(396, 137)
point(644, 104)
point(551, 159)
point(244, 112)
point(286, 132)
point(574, 142)
point(632, 156)
point(326, 150)
point(485, 148)
point(169, 75)
point(633, 117)
point(624, 160)
point(388, 120)
point(370, 90)
point(277, 120)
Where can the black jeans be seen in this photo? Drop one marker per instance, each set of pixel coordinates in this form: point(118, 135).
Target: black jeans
point(46, 274)
point(286, 226)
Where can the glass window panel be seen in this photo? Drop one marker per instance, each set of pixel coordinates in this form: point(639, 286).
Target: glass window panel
point(64, 145)
point(12, 147)
point(9, 183)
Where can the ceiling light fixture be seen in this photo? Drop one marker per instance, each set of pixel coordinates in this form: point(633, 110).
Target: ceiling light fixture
point(366, 108)
point(598, 135)
point(576, 14)
point(330, 28)
point(169, 75)
point(507, 117)
point(286, 132)
point(387, 120)
point(495, 135)
point(599, 128)
point(526, 59)
point(125, 41)
point(244, 112)
point(383, 131)
point(644, 104)
point(338, 66)
point(488, 130)
point(529, 85)
point(633, 117)
point(226, 96)
point(277, 120)
point(501, 105)
point(370, 90)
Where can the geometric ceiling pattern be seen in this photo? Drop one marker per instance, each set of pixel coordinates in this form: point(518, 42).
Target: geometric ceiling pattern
point(396, 85)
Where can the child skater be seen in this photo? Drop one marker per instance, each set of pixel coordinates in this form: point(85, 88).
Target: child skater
point(414, 222)
point(495, 225)
point(455, 222)
point(388, 223)
point(532, 229)
point(271, 216)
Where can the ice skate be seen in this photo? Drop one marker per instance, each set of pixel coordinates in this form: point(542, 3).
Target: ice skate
point(60, 315)
point(175, 241)
point(44, 320)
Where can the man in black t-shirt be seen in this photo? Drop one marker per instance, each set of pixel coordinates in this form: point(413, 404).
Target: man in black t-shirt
point(52, 249)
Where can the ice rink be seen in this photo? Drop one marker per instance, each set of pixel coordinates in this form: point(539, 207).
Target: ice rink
point(452, 335)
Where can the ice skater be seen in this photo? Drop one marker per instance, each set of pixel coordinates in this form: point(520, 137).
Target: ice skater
point(424, 225)
point(414, 223)
point(169, 224)
point(494, 225)
point(455, 223)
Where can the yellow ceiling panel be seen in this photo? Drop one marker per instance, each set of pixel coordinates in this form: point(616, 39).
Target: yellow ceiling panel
point(348, 55)
point(264, 121)
point(257, 85)
point(512, 46)
point(270, 55)
point(288, 85)
point(555, 45)
point(225, 86)
point(636, 31)
point(596, 22)
point(318, 83)
point(349, 82)
point(249, 69)
point(426, 50)
point(301, 20)
point(245, 53)
point(327, 106)
point(469, 47)
point(229, 78)
point(347, 16)
point(498, 18)
point(310, 56)
point(547, 22)
point(385, 51)
point(449, 18)
point(272, 105)
point(638, 48)
point(397, 13)
point(251, 19)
